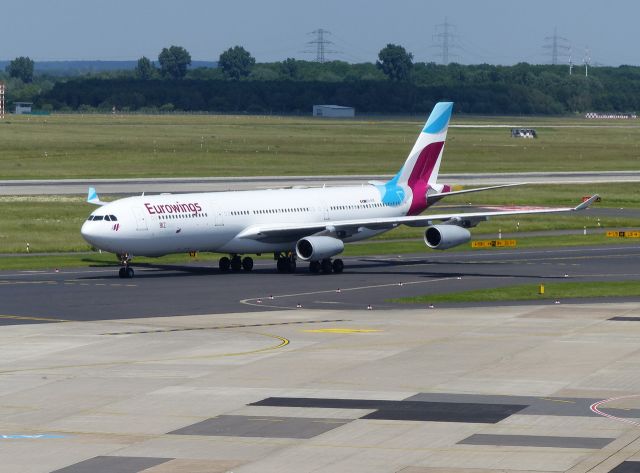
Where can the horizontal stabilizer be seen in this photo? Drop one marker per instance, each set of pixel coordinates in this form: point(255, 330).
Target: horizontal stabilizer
point(587, 203)
point(439, 195)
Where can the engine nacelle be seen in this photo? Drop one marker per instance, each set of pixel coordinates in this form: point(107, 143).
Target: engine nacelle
point(441, 237)
point(315, 248)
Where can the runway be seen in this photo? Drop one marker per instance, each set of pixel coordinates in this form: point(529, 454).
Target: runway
point(211, 184)
point(96, 293)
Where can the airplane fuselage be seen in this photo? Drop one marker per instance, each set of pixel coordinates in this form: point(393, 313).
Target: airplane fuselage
point(173, 223)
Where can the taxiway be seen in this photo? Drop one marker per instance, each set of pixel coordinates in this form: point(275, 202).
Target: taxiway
point(96, 293)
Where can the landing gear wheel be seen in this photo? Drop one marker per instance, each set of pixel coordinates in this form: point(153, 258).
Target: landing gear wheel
point(286, 264)
point(247, 263)
point(125, 270)
point(314, 266)
point(326, 266)
point(236, 263)
point(338, 266)
point(224, 264)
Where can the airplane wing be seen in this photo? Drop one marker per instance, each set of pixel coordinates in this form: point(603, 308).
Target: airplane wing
point(288, 232)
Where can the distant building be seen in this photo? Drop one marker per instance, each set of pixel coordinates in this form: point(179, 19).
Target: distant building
point(523, 133)
point(333, 111)
point(23, 107)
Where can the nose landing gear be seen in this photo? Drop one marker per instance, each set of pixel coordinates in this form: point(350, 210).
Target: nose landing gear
point(126, 271)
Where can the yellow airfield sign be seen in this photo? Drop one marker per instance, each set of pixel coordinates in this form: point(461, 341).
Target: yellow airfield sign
point(624, 234)
point(492, 243)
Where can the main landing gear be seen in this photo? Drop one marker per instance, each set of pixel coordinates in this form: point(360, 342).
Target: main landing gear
point(126, 271)
point(235, 263)
point(285, 263)
point(327, 266)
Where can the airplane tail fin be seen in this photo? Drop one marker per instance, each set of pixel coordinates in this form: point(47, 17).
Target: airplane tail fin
point(420, 170)
point(423, 162)
point(92, 197)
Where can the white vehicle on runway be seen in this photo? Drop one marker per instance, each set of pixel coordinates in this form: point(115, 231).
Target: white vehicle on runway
point(310, 224)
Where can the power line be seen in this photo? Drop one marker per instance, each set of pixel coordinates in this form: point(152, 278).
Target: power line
point(557, 46)
point(319, 45)
point(445, 40)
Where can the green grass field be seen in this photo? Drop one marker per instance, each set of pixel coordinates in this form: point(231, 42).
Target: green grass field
point(105, 146)
point(527, 292)
point(102, 146)
point(52, 223)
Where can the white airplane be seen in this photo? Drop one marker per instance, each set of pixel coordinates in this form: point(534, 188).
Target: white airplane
point(310, 224)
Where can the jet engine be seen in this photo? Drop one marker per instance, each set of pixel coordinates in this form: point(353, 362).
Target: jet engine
point(441, 237)
point(316, 248)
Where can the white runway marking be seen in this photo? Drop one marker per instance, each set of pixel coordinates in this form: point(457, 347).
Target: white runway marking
point(595, 408)
point(253, 300)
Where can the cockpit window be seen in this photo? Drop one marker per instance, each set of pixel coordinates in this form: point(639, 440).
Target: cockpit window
point(107, 218)
point(113, 218)
point(90, 218)
point(97, 217)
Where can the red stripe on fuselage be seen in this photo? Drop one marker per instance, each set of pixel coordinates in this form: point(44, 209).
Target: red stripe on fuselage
point(419, 178)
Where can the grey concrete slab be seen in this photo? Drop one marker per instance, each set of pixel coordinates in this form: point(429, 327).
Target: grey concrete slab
point(112, 464)
point(536, 441)
point(627, 467)
point(546, 406)
point(407, 410)
point(196, 466)
point(262, 426)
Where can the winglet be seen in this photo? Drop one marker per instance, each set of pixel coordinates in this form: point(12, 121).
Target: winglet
point(92, 197)
point(587, 202)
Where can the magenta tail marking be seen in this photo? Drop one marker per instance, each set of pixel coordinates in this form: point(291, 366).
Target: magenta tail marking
point(420, 174)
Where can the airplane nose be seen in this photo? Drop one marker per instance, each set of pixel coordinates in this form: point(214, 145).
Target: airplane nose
point(88, 232)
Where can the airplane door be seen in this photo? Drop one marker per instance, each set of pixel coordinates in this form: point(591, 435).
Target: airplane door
point(325, 211)
point(219, 222)
point(141, 220)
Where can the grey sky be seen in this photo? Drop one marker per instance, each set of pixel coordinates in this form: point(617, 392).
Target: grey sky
point(493, 31)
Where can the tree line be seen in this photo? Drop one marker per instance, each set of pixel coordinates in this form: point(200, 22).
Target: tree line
point(393, 84)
